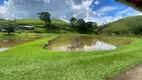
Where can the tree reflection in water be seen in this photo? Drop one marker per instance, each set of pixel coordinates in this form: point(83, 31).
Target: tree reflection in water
point(75, 44)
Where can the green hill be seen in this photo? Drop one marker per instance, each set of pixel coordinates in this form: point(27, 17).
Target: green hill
point(32, 22)
point(38, 24)
point(123, 26)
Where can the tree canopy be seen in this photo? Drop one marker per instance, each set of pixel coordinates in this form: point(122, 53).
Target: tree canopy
point(45, 16)
point(10, 27)
point(73, 20)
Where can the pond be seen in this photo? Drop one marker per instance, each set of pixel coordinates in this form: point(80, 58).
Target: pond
point(7, 42)
point(84, 43)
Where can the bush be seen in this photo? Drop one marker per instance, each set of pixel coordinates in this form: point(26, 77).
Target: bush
point(136, 30)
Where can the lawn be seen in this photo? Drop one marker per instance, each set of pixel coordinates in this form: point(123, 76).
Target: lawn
point(30, 62)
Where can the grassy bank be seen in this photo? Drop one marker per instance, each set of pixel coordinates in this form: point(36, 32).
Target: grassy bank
point(24, 34)
point(30, 62)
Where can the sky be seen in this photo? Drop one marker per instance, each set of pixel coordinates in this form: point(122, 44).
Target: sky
point(100, 11)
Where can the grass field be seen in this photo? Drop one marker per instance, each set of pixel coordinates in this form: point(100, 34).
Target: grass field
point(39, 25)
point(38, 22)
point(30, 62)
point(123, 25)
point(32, 22)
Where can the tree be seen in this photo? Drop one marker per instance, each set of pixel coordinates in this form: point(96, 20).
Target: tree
point(85, 27)
point(10, 27)
point(81, 26)
point(45, 16)
point(73, 22)
point(135, 27)
point(89, 27)
point(136, 30)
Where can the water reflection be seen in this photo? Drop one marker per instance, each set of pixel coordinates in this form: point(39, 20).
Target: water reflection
point(3, 49)
point(7, 42)
point(79, 43)
point(75, 43)
point(100, 46)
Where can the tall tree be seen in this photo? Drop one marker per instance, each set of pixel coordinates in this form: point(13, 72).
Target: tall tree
point(81, 26)
point(89, 27)
point(73, 22)
point(45, 16)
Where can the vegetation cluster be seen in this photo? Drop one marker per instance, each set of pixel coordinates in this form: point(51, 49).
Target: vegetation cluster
point(46, 24)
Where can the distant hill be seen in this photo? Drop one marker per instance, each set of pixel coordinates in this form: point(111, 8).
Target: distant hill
point(122, 26)
point(32, 22)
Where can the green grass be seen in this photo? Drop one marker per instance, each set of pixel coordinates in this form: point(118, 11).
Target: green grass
point(30, 62)
point(32, 21)
point(38, 22)
point(123, 25)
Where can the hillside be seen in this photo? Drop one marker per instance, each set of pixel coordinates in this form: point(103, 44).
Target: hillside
point(123, 25)
point(38, 24)
point(33, 22)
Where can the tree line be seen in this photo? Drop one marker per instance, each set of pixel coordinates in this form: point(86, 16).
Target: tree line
point(77, 25)
point(81, 26)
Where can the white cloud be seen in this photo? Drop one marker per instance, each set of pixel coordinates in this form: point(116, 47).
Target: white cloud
point(2, 10)
point(107, 9)
point(103, 19)
point(138, 14)
point(128, 12)
point(104, 10)
point(97, 2)
point(60, 9)
point(124, 11)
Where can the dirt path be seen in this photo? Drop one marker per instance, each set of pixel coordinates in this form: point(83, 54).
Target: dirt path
point(134, 73)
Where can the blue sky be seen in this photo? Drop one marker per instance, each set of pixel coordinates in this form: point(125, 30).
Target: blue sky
point(103, 3)
point(99, 11)
point(116, 7)
point(1, 2)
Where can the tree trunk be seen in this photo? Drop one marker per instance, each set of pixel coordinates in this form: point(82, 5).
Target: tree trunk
point(46, 25)
point(9, 33)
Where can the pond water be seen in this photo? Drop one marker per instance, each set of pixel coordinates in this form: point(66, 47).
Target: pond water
point(7, 42)
point(84, 43)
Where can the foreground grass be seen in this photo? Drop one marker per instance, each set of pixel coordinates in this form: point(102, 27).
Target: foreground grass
point(30, 62)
